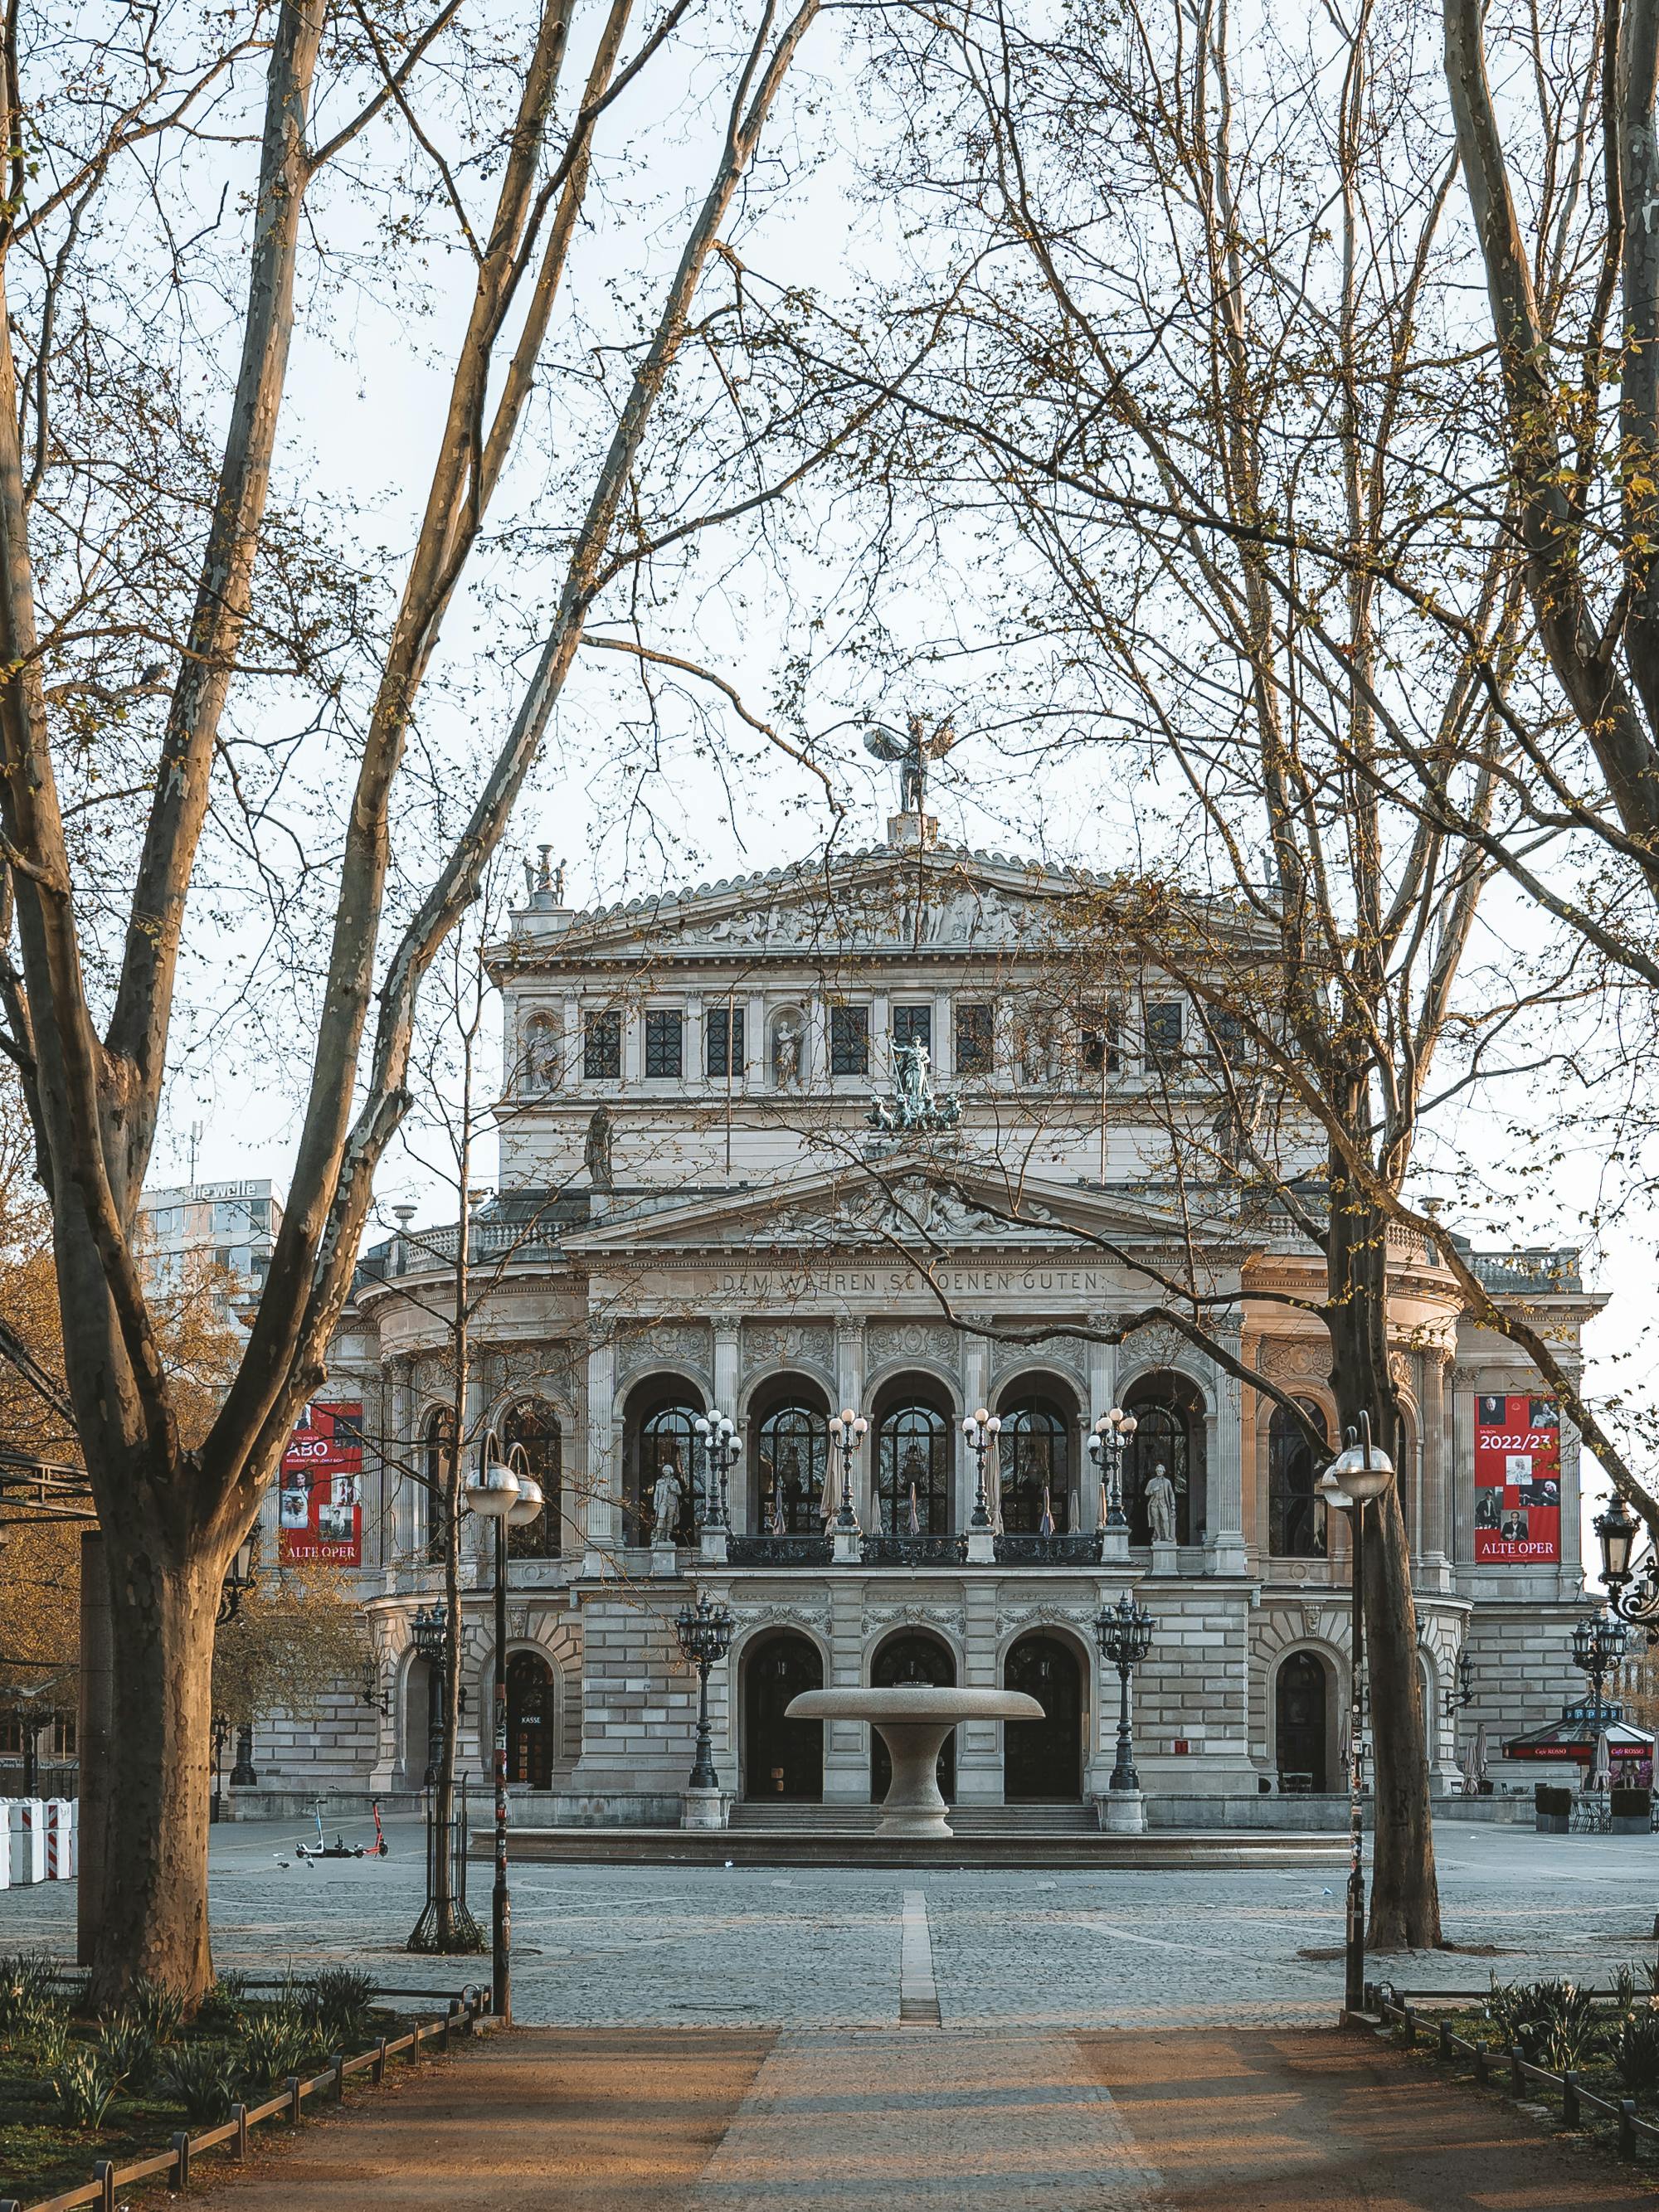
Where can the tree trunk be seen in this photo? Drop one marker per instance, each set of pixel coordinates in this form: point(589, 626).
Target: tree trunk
point(155, 1916)
point(1405, 1896)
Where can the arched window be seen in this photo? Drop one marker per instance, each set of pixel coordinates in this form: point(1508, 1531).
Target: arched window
point(1035, 1451)
point(913, 1470)
point(437, 1469)
point(1168, 1433)
point(663, 1442)
point(533, 1424)
point(1296, 1512)
point(793, 1458)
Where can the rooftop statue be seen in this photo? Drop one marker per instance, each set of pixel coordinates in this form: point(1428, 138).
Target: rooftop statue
point(910, 754)
point(913, 1105)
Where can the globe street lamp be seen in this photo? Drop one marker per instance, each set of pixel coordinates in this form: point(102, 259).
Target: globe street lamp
point(981, 1430)
point(1616, 1531)
point(506, 1493)
point(1124, 1633)
point(847, 1433)
point(705, 1632)
point(1599, 1646)
point(1360, 1472)
point(1107, 1440)
point(722, 1448)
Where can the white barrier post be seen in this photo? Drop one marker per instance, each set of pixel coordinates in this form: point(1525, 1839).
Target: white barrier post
point(28, 1840)
point(59, 1866)
point(5, 1843)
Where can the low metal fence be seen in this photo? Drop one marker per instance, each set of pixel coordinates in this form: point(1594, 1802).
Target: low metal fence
point(1494, 2066)
point(462, 2015)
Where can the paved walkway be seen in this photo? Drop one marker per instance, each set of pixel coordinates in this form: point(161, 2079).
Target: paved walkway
point(715, 2120)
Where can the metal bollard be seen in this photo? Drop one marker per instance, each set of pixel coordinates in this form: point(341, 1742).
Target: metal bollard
point(1626, 2127)
point(104, 2174)
point(181, 2156)
point(291, 2088)
point(1569, 2099)
point(239, 2113)
point(1481, 2063)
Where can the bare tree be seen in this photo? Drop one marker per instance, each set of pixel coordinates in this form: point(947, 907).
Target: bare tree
point(91, 1034)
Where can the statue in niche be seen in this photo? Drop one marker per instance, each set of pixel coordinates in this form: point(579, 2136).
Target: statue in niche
point(596, 1150)
point(786, 1054)
point(1037, 1052)
point(1161, 1505)
point(666, 1495)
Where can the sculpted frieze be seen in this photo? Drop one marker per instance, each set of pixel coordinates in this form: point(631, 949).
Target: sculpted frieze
point(657, 1340)
point(1308, 1357)
point(787, 1344)
point(876, 1619)
point(887, 1341)
point(1069, 1352)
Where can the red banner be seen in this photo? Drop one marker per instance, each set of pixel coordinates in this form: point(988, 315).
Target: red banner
point(321, 1503)
point(1518, 1480)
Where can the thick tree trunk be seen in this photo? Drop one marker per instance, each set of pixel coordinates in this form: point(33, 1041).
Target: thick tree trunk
point(1404, 1895)
point(155, 1916)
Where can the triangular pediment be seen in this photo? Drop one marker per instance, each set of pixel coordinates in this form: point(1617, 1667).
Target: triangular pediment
point(902, 1203)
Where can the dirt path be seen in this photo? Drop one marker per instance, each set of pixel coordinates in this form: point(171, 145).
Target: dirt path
point(1261, 2120)
point(680, 2120)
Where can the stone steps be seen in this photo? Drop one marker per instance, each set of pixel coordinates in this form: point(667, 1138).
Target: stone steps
point(815, 1844)
point(796, 1816)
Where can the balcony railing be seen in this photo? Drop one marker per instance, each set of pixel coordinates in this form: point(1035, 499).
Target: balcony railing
point(778, 1551)
point(1080, 1551)
point(916, 1551)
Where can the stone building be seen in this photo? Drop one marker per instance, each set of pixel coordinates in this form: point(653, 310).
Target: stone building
point(698, 1214)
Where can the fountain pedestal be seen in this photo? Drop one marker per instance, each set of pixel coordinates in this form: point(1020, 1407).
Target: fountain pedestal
point(913, 1721)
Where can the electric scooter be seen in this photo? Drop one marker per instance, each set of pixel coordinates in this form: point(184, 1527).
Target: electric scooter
point(339, 1849)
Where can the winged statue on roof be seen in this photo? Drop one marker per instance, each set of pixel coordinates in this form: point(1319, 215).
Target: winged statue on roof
point(910, 753)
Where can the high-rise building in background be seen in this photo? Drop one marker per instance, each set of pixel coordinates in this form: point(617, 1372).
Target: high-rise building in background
point(229, 1227)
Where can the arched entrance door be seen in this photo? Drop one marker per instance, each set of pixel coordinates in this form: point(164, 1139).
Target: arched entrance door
point(781, 1757)
point(1299, 1703)
point(529, 1720)
point(1043, 1760)
point(911, 1656)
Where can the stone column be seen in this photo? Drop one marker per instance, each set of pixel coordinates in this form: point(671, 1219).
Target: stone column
point(1437, 1473)
point(1459, 1432)
point(815, 1045)
point(726, 1402)
point(881, 1053)
point(756, 1069)
point(1224, 1477)
point(571, 1059)
point(632, 1047)
point(846, 1743)
point(945, 1063)
point(1101, 1397)
point(976, 1392)
point(1004, 1060)
point(601, 1519)
point(979, 1743)
point(849, 1383)
point(1570, 1567)
point(398, 1539)
point(696, 1071)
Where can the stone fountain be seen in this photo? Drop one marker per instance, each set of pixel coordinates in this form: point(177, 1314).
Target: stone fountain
point(913, 1721)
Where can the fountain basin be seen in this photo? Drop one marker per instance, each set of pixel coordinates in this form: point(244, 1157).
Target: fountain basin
point(914, 1723)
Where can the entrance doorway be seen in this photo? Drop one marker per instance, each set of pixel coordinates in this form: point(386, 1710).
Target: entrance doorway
point(781, 1759)
point(911, 1656)
point(1043, 1760)
point(1299, 1699)
point(529, 1720)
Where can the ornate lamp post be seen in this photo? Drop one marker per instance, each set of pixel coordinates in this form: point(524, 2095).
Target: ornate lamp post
point(1360, 1472)
point(1124, 1633)
point(981, 1430)
point(508, 1494)
point(239, 1580)
point(705, 1632)
point(1598, 1646)
point(430, 1628)
point(1635, 1601)
point(1107, 1440)
point(722, 1448)
point(1460, 1695)
point(847, 1433)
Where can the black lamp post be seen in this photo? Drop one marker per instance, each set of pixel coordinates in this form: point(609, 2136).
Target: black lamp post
point(1460, 1695)
point(242, 1776)
point(1635, 1601)
point(1598, 1646)
point(1124, 1633)
point(239, 1580)
point(705, 1632)
point(1360, 1472)
point(1107, 1439)
point(430, 1627)
point(506, 1493)
point(847, 1433)
point(981, 1430)
point(722, 1448)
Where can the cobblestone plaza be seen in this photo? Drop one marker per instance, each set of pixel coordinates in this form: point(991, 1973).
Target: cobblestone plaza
point(611, 1946)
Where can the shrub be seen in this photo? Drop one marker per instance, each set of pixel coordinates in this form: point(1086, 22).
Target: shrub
point(130, 2049)
point(1623, 1992)
point(202, 2077)
point(47, 2038)
point(343, 2004)
point(85, 2087)
point(1509, 2008)
point(1563, 2030)
point(1635, 2052)
point(161, 2008)
point(225, 2002)
point(275, 2043)
point(26, 1984)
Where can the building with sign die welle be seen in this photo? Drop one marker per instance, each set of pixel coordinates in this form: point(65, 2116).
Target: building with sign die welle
point(730, 1183)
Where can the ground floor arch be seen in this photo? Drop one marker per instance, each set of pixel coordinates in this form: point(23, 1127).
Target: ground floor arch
point(1042, 1761)
point(532, 1720)
point(780, 1758)
point(912, 1656)
point(1302, 1710)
